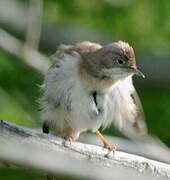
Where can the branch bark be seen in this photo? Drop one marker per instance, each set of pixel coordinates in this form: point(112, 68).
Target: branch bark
point(49, 154)
point(149, 147)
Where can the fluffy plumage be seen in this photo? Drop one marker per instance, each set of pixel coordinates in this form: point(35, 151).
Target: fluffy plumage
point(89, 86)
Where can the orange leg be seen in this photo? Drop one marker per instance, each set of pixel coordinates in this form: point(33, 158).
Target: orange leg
point(107, 145)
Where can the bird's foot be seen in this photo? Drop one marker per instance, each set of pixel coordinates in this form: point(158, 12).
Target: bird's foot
point(110, 148)
point(68, 139)
point(107, 145)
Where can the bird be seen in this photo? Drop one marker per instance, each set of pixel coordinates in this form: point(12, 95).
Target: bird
point(90, 86)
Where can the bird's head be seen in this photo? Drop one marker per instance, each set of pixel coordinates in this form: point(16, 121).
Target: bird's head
point(116, 60)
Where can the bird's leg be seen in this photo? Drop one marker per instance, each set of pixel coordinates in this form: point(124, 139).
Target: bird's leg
point(107, 145)
point(45, 127)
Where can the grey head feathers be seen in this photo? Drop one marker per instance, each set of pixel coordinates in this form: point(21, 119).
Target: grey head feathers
point(114, 59)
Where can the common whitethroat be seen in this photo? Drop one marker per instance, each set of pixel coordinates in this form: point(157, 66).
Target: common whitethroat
point(90, 86)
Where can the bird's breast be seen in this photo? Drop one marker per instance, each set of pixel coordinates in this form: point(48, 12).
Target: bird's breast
point(89, 109)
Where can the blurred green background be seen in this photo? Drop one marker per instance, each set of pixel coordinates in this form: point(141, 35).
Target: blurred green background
point(144, 24)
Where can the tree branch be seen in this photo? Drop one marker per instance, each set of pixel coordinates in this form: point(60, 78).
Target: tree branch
point(149, 147)
point(34, 23)
point(52, 155)
point(29, 56)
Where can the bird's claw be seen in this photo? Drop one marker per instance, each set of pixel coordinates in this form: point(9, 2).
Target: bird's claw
point(110, 148)
point(68, 139)
point(106, 144)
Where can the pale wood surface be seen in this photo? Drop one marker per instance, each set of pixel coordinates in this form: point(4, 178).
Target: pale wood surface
point(34, 150)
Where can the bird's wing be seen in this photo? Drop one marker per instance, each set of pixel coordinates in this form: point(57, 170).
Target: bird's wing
point(138, 127)
point(63, 74)
point(127, 112)
point(139, 124)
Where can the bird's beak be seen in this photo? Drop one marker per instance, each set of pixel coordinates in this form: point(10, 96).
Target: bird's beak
point(138, 72)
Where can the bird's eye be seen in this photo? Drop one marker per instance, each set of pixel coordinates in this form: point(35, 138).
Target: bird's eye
point(120, 61)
